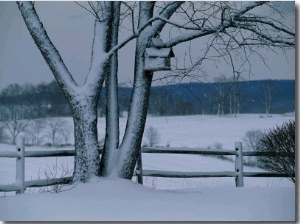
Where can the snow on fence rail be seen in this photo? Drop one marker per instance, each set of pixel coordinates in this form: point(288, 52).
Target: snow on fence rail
point(20, 154)
point(238, 173)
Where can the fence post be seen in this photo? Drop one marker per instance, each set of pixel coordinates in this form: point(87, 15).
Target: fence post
point(20, 165)
point(239, 180)
point(139, 169)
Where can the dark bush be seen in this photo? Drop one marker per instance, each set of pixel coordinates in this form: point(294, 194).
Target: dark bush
point(279, 145)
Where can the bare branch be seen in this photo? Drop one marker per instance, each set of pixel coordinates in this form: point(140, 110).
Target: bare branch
point(85, 8)
point(232, 20)
point(167, 12)
point(270, 23)
point(272, 40)
point(132, 14)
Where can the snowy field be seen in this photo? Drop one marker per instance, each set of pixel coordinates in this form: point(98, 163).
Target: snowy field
point(163, 199)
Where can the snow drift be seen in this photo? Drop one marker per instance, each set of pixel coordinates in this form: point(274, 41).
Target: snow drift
point(123, 200)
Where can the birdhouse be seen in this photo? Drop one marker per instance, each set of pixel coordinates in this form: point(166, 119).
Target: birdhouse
point(157, 57)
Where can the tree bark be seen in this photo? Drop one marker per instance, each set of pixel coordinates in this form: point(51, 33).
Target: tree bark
point(112, 107)
point(135, 126)
point(131, 143)
point(87, 154)
point(82, 100)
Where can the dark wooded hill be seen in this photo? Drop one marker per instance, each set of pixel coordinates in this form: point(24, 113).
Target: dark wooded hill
point(47, 100)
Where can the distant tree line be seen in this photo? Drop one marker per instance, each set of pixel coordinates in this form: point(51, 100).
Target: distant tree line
point(223, 97)
point(32, 101)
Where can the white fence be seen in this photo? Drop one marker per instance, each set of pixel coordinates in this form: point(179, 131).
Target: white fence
point(20, 154)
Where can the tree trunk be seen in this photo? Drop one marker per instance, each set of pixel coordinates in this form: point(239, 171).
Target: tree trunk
point(131, 143)
point(87, 155)
point(112, 107)
point(135, 126)
point(132, 140)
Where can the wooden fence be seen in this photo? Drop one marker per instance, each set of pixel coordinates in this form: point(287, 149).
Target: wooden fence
point(238, 173)
point(21, 185)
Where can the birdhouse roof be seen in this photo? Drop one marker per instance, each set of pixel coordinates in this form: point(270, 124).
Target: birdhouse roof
point(157, 42)
point(161, 52)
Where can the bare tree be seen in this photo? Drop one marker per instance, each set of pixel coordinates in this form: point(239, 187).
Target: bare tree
point(14, 124)
point(152, 136)
point(54, 128)
point(221, 93)
point(235, 98)
point(34, 131)
point(82, 99)
point(14, 128)
point(233, 31)
point(3, 135)
point(252, 141)
point(65, 132)
point(268, 94)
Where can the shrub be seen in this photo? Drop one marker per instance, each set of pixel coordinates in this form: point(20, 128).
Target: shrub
point(51, 172)
point(279, 145)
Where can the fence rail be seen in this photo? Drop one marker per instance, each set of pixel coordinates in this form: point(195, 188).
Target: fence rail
point(199, 151)
point(20, 154)
point(179, 174)
point(238, 173)
point(56, 153)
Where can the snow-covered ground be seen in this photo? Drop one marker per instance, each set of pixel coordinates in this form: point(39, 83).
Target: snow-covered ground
point(168, 199)
point(123, 200)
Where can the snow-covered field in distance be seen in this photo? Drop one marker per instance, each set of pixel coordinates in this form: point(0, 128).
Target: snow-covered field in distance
point(164, 199)
point(206, 130)
point(201, 130)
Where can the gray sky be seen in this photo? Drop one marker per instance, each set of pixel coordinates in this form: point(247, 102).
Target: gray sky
point(71, 30)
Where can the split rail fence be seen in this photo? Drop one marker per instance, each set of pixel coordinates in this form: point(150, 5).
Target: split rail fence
point(20, 185)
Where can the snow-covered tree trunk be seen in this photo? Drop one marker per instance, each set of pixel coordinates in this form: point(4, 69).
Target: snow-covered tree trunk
point(82, 99)
point(131, 143)
point(87, 155)
point(112, 108)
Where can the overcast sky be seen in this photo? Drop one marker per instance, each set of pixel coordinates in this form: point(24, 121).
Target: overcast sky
point(71, 30)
